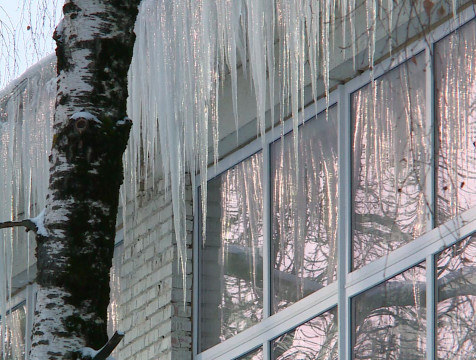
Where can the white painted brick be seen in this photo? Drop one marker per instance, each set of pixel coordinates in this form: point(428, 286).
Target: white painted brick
point(157, 324)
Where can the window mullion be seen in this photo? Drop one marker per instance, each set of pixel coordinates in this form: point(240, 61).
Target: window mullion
point(267, 235)
point(344, 226)
point(430, 129)
point(267, 350)
point(430, 189)
point(196, 246)
point(430, 307)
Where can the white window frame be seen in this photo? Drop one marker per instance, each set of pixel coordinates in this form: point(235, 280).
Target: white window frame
point(348, 284)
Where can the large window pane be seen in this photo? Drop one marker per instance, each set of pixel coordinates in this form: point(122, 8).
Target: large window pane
point(389, 319)
point(304, 210)
point(313, 340)
point(455, 80)
point(391, 154)
point(231, 262)
point(456, 335)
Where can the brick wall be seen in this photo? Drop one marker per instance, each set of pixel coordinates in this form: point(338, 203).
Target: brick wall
point(152, 311)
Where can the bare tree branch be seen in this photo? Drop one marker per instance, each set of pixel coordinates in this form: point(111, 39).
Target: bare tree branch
point(27, 223)
point(109, 347)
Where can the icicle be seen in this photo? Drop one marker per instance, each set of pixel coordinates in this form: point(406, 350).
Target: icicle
point(352, 21)
point(26, 113)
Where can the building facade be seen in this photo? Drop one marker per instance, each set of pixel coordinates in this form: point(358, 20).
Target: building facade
point(334, 219)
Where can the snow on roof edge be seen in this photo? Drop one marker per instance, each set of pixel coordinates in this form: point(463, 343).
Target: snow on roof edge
point(8, 89)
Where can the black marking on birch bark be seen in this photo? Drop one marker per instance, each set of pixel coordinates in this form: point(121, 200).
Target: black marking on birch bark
point(109, 58)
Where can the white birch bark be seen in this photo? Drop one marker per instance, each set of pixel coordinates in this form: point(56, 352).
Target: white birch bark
point(74, 255)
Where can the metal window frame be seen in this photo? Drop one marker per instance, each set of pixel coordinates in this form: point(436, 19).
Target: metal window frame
point(348, 284)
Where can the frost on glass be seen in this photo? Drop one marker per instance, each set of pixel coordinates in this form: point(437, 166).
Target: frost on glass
point(455, 93)
point(253, 355)
point(304, 207)
point(456, 279)
point(231, 256)
point(391, 157)
point(389, 320)
point(313, 340)
point(13, 334)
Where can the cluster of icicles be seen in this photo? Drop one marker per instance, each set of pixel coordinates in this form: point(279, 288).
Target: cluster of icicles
point(26, 114)
point(184, 50)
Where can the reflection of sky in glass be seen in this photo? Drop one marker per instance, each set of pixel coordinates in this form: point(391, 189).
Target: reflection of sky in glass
point(231, 261)
point(313, 340)
point(304, 210)
point(390, 157)
point(389, 319)
point(456, 334)
point(455, 81)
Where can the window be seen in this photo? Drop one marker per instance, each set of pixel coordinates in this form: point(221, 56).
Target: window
point(315, 339)
point(391, 157)
point(455, 98)
point(456, 300)
point(390, 318)
point(304, 212)
point(231, 255)
point(12, 346)
point(356, 240)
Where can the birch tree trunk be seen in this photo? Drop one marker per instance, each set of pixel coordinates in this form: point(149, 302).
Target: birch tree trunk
point(74, 254)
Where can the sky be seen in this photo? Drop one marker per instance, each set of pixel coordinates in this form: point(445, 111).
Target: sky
point(26, 29)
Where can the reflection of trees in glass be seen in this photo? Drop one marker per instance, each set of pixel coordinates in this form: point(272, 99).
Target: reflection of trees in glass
point(455, 82)
point(390, 156)
point(304, 210)
point(254, 355)
point(231, 261)
point(390, 319)
point(13, 345)
point(456, 316)
point(313, 340)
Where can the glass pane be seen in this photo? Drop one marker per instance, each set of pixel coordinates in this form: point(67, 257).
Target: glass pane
point(231, 262)
point(390, 156)
point(455, 80)
point(304, 210)
point(115, 292)
point(313, 340)
point(254, 355)
point(389, 319)
point(13, 347)
point(456, 335)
